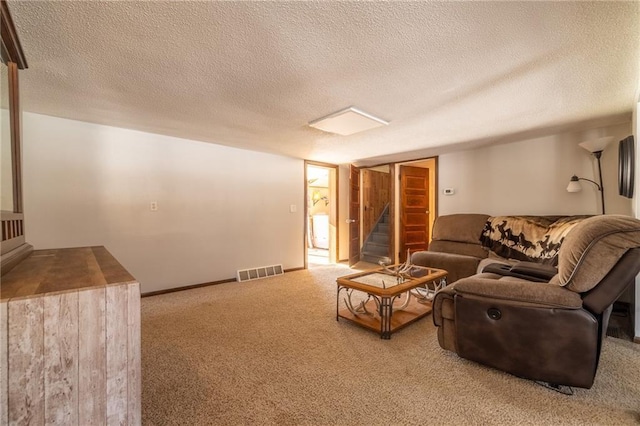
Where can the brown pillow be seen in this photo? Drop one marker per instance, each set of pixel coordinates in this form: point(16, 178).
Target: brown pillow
point(592, 249)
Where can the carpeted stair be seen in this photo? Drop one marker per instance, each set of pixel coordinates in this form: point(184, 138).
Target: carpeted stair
point(376, 245)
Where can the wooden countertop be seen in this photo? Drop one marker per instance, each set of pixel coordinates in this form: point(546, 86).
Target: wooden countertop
point(59, 270)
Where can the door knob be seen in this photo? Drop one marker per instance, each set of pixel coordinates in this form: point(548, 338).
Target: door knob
point(350, 220)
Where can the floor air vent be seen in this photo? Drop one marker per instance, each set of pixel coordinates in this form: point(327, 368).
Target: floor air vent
point(257, 273)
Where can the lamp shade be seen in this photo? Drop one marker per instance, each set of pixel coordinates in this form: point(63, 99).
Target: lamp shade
point(574, 185)
point(596, 145)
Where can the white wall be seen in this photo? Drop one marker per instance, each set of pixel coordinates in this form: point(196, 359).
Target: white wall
point(219, 209)
point(531, 176)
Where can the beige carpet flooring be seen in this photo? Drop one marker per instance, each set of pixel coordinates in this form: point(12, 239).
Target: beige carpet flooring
point(271, 352)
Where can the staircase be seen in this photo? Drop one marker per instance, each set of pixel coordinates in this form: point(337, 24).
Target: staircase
point(376, 246)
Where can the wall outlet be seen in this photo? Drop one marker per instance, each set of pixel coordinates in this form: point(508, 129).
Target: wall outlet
point(154, 206)
point(293, 208)
point(449, 191)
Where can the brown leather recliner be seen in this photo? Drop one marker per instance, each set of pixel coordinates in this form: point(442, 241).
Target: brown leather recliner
point(550, 332)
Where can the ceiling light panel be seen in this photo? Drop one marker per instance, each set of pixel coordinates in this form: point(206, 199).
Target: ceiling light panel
point(347, 122)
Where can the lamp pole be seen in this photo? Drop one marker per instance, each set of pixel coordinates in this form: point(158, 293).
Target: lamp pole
point(598, 154)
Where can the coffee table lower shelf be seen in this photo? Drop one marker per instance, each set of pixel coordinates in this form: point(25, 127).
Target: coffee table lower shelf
point(399, 318)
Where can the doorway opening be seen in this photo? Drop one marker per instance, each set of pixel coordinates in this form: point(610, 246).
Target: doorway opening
point(321, 224)
point(375, 214)
point(411, 191)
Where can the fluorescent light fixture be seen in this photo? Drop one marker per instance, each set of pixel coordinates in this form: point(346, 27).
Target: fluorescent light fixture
point(347, 122)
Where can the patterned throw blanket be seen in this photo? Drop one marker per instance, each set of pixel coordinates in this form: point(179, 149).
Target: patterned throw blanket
point(528, 238)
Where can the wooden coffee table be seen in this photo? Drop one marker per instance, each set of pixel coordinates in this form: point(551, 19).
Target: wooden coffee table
point(387, 302)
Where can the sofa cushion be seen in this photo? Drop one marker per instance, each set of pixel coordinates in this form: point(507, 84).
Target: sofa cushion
point(457, 265)
point(459, 234)
point(454, 247)
point(592, 249)
point(528, 238)
point(462, 228)
point(518, 290)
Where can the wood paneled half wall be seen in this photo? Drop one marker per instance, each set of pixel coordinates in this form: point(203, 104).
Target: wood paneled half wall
point(70, 333)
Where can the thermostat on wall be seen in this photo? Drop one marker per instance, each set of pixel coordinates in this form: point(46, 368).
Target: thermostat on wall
point(449, 191)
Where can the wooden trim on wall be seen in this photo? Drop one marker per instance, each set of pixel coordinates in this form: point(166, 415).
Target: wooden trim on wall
point(191, 287)
point(337, 207)
point(436, 184)
point(14, 248)
point(187, 287)
point(335, 196)
point(305, 227)
point(14, 118)
point(636, 339)
point(11, 47)
point(393, 251)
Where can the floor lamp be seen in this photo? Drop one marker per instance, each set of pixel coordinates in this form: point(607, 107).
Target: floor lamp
point(595, 147)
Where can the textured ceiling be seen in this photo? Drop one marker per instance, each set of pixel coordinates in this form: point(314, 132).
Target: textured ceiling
point(252, 74)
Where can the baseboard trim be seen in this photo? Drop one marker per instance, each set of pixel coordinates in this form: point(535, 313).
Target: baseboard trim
point(191, 287)
point(187, 287)
point(636, 339)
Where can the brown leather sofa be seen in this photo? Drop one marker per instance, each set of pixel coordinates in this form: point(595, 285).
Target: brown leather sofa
point(464, 244)
point(550, 331)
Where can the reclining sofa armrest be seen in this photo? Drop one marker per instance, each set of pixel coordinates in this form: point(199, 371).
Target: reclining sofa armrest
point(443, 305)
point(444, 317)
point(519, 291)
point(457, 265)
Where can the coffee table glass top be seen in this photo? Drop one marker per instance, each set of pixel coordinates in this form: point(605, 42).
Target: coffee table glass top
point(384, 279)
point(378, 279)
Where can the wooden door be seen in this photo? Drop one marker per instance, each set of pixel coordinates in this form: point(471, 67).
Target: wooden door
point(414, 210)
point(354, 215)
